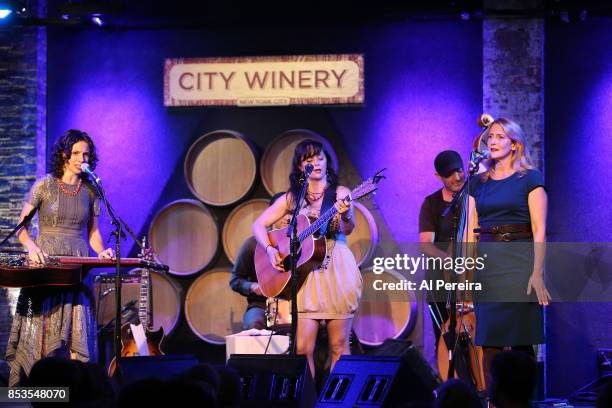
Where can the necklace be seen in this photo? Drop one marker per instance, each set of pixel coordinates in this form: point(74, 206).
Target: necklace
point(314, 196)
point(63, 189)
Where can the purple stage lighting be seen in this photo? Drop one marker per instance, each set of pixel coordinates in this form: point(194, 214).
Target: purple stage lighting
point(97, 20)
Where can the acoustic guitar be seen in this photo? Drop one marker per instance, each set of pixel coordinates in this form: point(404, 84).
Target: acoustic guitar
point(313, 248)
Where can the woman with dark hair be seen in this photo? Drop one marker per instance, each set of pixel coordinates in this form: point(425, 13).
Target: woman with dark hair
point(332, 291)
point(507, 214)
point(56, 321)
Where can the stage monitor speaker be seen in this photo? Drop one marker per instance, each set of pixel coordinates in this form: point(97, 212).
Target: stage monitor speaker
point(274, 380)
point(394, 374)
point(414, 362)
point(162, 367)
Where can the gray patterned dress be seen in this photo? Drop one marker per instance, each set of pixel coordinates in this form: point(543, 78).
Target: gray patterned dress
point(55, 320)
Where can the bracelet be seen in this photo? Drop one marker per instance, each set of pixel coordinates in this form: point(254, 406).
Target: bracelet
point(346, 219)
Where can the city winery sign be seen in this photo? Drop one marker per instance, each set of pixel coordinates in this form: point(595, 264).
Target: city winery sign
point(264, 81)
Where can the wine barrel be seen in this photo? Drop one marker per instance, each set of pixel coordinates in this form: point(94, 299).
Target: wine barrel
point(212, 309)
point(383, 314)
point(238, 224)
point(185, 236)
point(276, 161)
point(221, 167)
point(364, 238)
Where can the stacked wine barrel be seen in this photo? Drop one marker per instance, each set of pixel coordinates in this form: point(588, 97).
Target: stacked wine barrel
point(222, 170)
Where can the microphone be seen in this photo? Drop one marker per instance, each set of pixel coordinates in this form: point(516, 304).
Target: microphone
point(477, 158)
point(86, 169)
point(309, 168)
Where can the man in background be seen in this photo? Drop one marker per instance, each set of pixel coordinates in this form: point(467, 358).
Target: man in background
point(435, 230)
point(244, 280)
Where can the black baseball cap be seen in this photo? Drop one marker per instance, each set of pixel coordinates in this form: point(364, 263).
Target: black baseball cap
point(447, 162)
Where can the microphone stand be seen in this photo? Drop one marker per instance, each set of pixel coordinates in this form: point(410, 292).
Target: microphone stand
point(294, 247)
point(23, 222)
point(461, 196)
point(118, 234)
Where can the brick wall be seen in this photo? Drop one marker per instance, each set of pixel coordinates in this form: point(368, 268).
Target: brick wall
point(513, 81)
point(22, 137)
point(513, 61)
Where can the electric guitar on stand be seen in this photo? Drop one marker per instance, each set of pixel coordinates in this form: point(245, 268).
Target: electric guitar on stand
point(140, 339)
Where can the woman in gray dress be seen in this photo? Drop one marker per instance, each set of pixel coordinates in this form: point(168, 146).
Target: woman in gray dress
point(57, 321)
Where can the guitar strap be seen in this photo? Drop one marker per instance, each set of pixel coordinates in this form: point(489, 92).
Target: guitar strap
point(329, 199)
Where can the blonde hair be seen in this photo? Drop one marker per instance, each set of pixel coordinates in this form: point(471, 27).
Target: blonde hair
point(520, 159)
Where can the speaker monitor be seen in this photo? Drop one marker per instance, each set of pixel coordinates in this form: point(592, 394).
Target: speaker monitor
point(395, 373)
point(274, 380)
point(162, 367)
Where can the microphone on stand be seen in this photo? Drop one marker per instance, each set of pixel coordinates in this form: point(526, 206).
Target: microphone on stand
point(306, 174)
point(85, 168)
point(309, 168)
point(477, 158)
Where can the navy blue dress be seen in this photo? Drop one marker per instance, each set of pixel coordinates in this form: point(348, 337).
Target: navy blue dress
point(505, 315)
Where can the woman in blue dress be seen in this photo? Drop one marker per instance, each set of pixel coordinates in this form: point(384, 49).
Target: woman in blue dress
point(507, 217)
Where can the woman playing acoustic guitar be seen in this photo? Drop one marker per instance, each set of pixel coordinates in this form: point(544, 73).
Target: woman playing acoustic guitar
point(331, 292)
point(56, 321)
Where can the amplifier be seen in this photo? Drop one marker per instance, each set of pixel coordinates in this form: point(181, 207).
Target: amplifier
point(104, 295)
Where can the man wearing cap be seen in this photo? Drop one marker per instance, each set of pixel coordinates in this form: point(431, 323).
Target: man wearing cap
point(435, 231)
point(244, 279)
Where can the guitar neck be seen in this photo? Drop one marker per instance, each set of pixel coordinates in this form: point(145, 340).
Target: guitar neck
point(145, 299)
point(365, 189)
point(315, 226)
